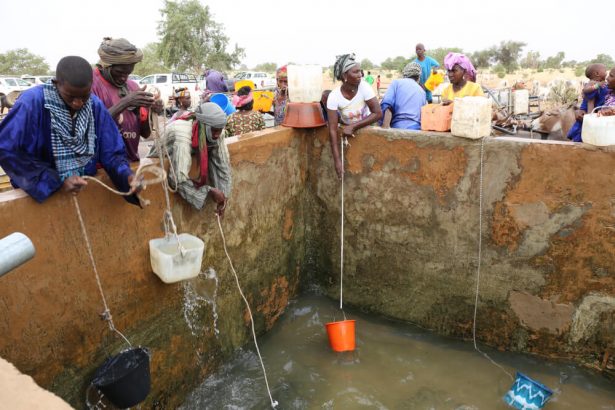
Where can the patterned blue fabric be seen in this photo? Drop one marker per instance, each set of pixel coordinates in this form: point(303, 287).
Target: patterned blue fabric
point(73, 146)
point(27, 156)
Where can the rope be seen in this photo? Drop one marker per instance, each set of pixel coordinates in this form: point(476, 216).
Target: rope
point(106, 315)
point(274, 403)
point(480, 248)
point(343, 141)
point(167, 218)
point(154, 169)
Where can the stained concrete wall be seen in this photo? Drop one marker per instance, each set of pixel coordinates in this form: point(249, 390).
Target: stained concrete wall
point(412, 205)
point(50, 323)
point(547, 282)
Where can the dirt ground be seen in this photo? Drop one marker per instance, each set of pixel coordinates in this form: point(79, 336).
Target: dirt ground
point(484, 77)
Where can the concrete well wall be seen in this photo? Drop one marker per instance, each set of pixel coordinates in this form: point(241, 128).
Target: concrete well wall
point(547, 279)
point(50, 307)
point(411, 242)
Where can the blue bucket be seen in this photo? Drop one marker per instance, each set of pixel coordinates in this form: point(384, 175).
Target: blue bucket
point(527, 394)
point(223, 102)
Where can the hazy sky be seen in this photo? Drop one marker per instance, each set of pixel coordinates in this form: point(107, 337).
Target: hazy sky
point(315, 31)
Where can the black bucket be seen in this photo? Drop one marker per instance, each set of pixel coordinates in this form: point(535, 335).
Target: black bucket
point(125, 378)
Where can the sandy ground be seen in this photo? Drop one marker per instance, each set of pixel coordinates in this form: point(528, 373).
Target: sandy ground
point(484, 77)
point(19, 391)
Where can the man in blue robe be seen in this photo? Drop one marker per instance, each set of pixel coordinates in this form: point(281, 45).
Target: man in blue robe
point(57, 133)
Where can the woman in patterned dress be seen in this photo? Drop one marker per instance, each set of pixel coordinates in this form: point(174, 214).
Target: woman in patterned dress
point(244, 120)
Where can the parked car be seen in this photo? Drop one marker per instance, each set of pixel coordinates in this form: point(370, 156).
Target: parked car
point(167, 83)
point(37, 79)
point(10, 84)
point(261, 80)
point(135, 77)
point(10, 88)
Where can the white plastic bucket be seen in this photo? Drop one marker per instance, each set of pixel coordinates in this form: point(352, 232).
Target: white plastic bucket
point(304, 83)
point(598, 131)
point(168, 262)
point(471, 117)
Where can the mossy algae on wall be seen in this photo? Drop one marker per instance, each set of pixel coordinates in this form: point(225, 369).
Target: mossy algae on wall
point(412, 225)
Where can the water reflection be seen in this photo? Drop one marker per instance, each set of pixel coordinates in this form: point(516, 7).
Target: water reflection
point(395, 366)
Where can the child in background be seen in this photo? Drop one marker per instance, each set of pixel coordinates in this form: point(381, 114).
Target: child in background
point(594, 94)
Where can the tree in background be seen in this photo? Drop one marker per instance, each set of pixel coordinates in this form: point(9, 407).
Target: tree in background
point(555, 61)
point(266, 67)
point(366, 64)
point(191, 39)
point(151, 63)
point(439, 53)
point(605, 59)
point(482, 58)
point(507, 54)
point(397, 63)
point(21, 61)
point(531, 60)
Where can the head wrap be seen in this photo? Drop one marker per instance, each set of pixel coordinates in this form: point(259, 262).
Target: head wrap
point(343, 63)
point(464, 62)
point(241, 100)
point(282, 72)
point(118, 51)
point(412, 70)
point(182, 92)
point(211, 114)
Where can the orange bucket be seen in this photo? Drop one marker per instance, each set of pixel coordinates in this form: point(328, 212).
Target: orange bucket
point(341, 335)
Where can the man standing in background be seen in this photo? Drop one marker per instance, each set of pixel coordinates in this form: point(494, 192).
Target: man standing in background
point(427, 64)
point(126, 102)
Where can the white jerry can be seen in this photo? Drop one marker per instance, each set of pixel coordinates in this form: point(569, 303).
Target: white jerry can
point(598, 131)
point(521, 102)
point(471, 117)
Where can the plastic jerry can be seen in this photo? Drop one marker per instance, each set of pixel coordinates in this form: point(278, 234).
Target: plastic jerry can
point(304, 83)
point(436, 117)
point(521, 102)
point(598, 131)
point(471, 117)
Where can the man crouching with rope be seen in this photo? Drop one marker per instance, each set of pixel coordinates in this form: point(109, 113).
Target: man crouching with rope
point(56, 134)
point(202, 130)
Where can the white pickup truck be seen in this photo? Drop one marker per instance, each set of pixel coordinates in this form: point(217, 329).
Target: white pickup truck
point(167, 83)
point(261, 80)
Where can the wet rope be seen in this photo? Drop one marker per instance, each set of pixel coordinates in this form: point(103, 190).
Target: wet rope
point(274, 403)
point(106, 315)
point(167, 218)
point(157, 171)
point(343, 142)
point(480, 248)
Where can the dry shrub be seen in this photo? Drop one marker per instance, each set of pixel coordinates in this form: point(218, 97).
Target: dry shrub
point(562, 94)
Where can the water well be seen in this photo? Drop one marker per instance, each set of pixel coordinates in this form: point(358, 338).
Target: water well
point(547, 286)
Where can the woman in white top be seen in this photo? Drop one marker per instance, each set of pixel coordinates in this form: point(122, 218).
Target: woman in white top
point(354, 104)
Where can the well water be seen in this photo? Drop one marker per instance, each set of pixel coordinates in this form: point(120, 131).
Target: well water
point(395, 366)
